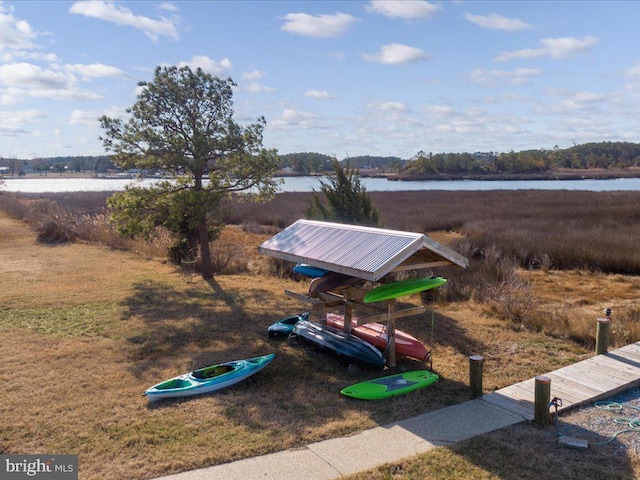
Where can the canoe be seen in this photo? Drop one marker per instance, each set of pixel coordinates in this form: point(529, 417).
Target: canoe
point(309, 271)
point(341, 343)
point(391, 385)
point(376, 334)
point(402, 288)
point(284, 326)
point(208, 379)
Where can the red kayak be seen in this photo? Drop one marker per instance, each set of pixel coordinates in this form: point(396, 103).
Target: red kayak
point(376, 334)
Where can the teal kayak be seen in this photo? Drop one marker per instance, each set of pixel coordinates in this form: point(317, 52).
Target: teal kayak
point(285, 325)
point(391, 385)
point(402, 288)
point(208, 379)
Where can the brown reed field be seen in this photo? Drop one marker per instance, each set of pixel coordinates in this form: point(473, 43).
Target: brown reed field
point(97, 324)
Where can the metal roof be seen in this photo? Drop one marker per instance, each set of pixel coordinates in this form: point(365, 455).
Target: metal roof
point(362, 252)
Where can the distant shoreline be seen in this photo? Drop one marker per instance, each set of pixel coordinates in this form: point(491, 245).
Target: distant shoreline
point(558, 174)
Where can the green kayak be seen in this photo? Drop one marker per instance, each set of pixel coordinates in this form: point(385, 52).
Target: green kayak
point(392, 385)
point(402, 288)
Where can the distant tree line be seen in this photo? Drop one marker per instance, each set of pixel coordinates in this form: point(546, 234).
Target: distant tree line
point(79, 164)
point(588, 155)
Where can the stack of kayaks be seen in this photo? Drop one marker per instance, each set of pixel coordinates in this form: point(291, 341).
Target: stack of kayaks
point(391, 385)
point(208, 379)
point(376, 334)
point(344, 344)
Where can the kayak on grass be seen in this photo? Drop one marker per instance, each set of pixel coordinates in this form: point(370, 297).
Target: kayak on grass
point(391, 385)
point(284, 326)
point(208, 379)
point(344, 344)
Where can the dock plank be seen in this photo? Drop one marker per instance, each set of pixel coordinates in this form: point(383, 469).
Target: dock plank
point(592, 379)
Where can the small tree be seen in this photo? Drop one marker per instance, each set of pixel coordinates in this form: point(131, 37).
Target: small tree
point(347, 200)
point(182, 124)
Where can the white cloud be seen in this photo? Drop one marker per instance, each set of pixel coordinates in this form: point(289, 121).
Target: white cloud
point(497, 22)
point(634, 71)
point(28, 75)
point(83, 117)
point(14, 33)
point(322, 95)
point(319, 26)
point(95, 70)
point(395, 107)
point(396, 53)
point(402, 9)
point(207, 64)
point(296, 118)
point(556, 48)
point(253, 86)
point(253, 76)
point(518, 76)
point(168, 6)
point(12, 123)
point(28, 80)
point(119, 15)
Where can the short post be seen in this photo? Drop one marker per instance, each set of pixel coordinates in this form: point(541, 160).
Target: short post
point(602, 335)
point(475, 375)
point(541, 414)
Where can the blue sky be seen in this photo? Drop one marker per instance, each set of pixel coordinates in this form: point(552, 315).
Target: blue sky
point(343, 78)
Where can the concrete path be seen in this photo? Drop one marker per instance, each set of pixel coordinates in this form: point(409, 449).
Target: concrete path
point(334, 458)
point(591, 379)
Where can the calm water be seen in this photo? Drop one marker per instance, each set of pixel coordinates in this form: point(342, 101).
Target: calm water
point(307, 184)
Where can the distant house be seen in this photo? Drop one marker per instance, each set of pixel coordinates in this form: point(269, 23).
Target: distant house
point(4, 171)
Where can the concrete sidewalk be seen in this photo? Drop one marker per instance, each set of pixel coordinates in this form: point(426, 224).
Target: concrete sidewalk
point(347, 455)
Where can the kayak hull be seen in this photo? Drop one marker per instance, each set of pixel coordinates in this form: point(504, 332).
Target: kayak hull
point(208, 379)
point(341, 343)
point(391, 385)
point(403, 288)
point(309, 271)
point(376, 334)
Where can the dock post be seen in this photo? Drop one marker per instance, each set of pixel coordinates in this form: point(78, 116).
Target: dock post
point(541, 414)
point(475, 375)
point(602, 335)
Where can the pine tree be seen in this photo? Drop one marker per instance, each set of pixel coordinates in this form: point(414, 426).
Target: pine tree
point(346, 200)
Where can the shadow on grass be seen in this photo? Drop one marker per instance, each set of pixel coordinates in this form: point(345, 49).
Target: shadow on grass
point(534, 452)
point(181, 330)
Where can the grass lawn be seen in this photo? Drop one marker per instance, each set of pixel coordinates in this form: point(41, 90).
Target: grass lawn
point(86, 329)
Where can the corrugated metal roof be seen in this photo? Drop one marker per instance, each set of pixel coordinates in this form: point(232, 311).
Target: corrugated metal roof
point(362, 252)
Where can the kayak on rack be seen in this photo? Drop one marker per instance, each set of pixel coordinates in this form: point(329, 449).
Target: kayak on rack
point(376, 334)
point(309, 271)
point(208, 379)
point(344, 344)
point(402, 288)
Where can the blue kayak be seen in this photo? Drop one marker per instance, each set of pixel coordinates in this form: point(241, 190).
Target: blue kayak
point(208, 379)
point(342, 343)
point(285, 325)
point(309, 271)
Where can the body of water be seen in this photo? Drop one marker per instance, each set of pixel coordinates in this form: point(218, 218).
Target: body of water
point(307, 184)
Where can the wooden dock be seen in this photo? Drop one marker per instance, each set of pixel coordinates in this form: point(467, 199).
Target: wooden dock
point(590, 380)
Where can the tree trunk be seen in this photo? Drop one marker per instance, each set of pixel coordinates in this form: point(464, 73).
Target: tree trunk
point(205, 251)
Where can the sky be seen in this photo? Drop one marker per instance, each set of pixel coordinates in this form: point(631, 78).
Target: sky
point(342, 78)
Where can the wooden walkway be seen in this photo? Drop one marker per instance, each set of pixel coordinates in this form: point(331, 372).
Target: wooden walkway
point(587, 381)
